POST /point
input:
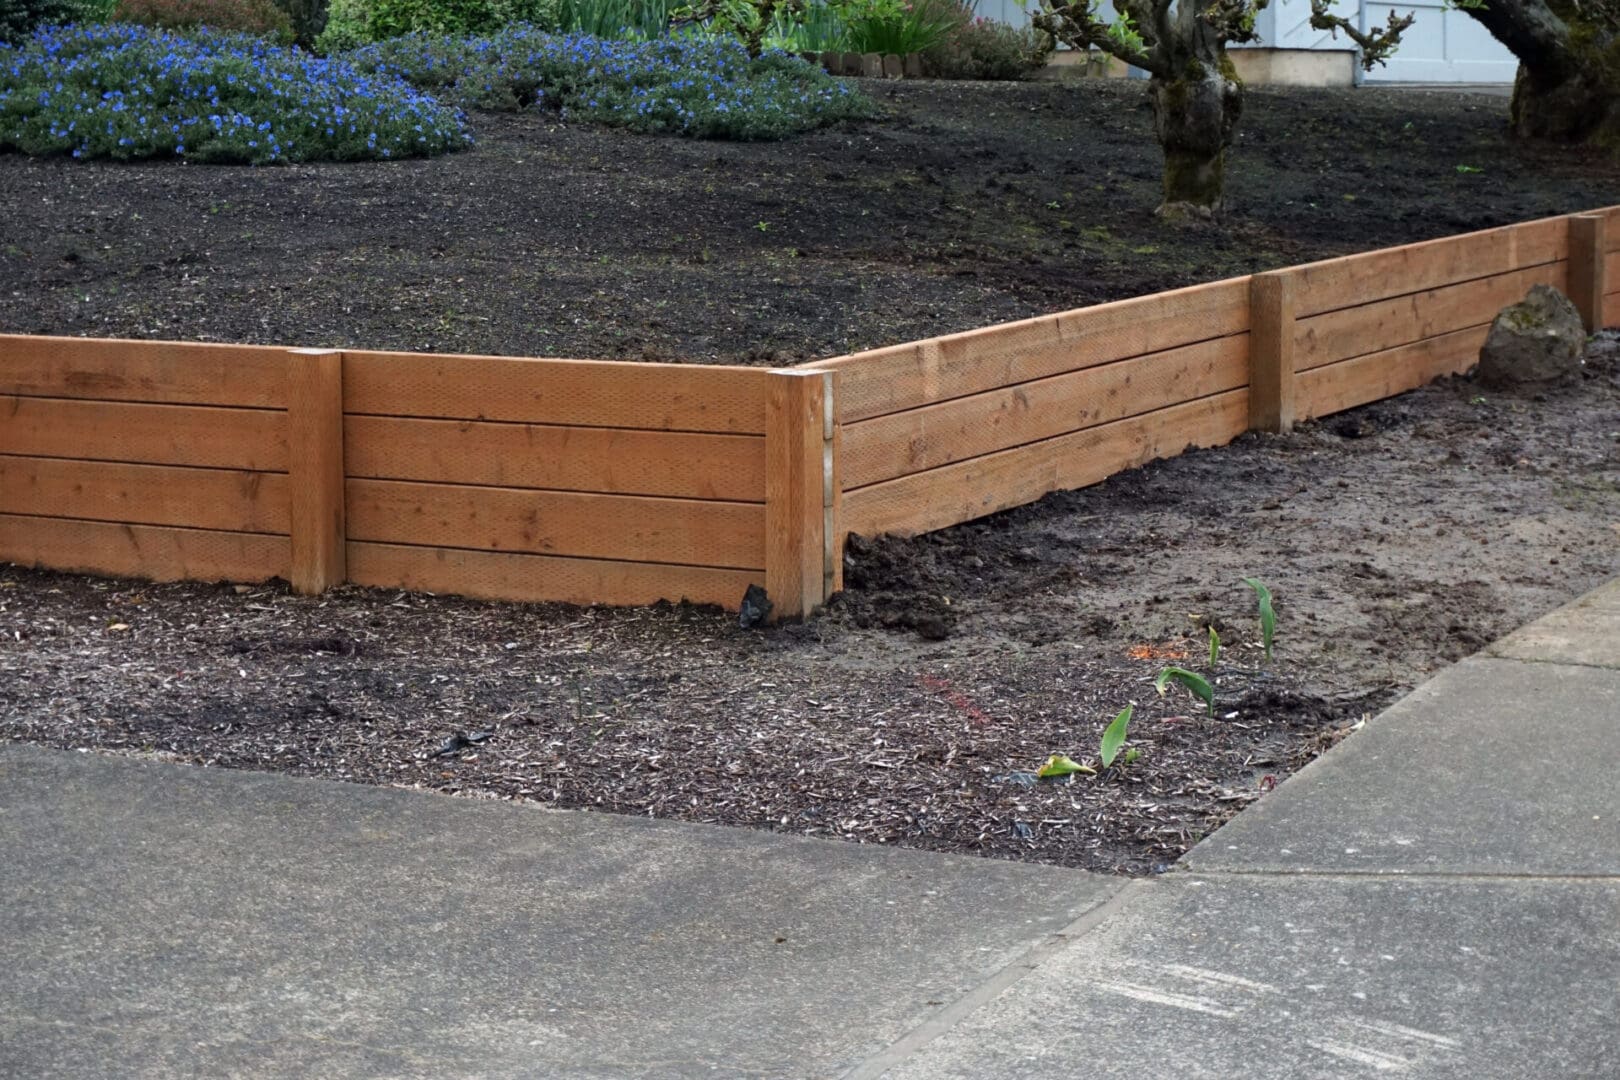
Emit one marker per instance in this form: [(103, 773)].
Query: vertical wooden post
[(315, 468), (1587, 284), (1271, 352), (832, 500), (797, 483)]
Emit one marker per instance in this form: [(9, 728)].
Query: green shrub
[(129, 92), (699, 86), (351, 24), (902, 27), (261, 18), (19, 18), (986, 49)]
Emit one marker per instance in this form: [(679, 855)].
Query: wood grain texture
[(971, 489), (902, 377), (1588, 268), (587, 393), (1387, 324), (617, 527), (1611, 265), (539, 578), (920, 439), (315, 468), (610, 460), (112, 369), (1380, 375), (1377, 275), (222, 499), (253, 439), (141, 551), (1611, 226), (1611, 310), (795, 492), (1272, 299)]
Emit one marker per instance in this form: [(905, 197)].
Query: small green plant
[(1469, 169), (1200, 687), (901, 27), (1268, 614), (1214, 648), (1114, 737)]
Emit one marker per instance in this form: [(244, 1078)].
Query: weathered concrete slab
[(169, 921), (1311, 978), (1492, 767), (1585, 632)]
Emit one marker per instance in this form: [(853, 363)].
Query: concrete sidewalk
[(1437, 897)]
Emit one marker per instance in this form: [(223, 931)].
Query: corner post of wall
[(800, 490), (1587, 284), (315, 469), (1271, 351)]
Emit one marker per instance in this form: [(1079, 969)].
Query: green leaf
[(1132, 755), (1214, 648), (1115, 735), (1062, 765), (1201, 687), (1268, 614)]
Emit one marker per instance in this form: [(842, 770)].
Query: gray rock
[(1534, 343)]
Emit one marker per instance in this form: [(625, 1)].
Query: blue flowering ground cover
[(701, 86), (129, 92)]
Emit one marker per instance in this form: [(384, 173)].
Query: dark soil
[(1397, 538), (968, 204)]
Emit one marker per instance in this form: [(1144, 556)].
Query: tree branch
[(1375, 45), (1075, 24)]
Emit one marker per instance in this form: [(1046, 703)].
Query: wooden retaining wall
[(600, 482), (950, 429)]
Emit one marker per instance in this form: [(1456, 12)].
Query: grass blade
[(1062, 765), (1114, 737), (1201, 687), (1268, 614), (1214, 648)]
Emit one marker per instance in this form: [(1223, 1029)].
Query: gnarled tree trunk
[(1568, 87), (1195, 114)]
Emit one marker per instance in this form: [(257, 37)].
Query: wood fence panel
[(923, 373), (536, 578), (587, 393), (1385, 324), (1362, 279), (624, 461), (617, 527), (971, 489), (141, 551), (927, 438), (222, 499), (161, 372), (254, 439), (1379, 375)]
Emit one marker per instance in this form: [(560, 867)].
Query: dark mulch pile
[(1397, 538), (968, 204)]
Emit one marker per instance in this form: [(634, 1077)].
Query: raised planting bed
[(597, 482)]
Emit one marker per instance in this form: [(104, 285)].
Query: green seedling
[(1214, 648), (1201, 687), (1469, 169), (1132, 755), (1114, 737), (1268, 614), (1063, 765)]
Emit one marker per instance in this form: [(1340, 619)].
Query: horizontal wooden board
[(1345, 385), (540, 578), (223, 499), (1376, 275), (901, 377), (1611, 227), (113, 369), (1386, 324), (613, 460), (151, 434), (141, 551), (920, 439), (588, 393), (971, 489), (619, 527)]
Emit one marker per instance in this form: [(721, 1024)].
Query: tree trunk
[(1568, 87), (1194, 116)]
